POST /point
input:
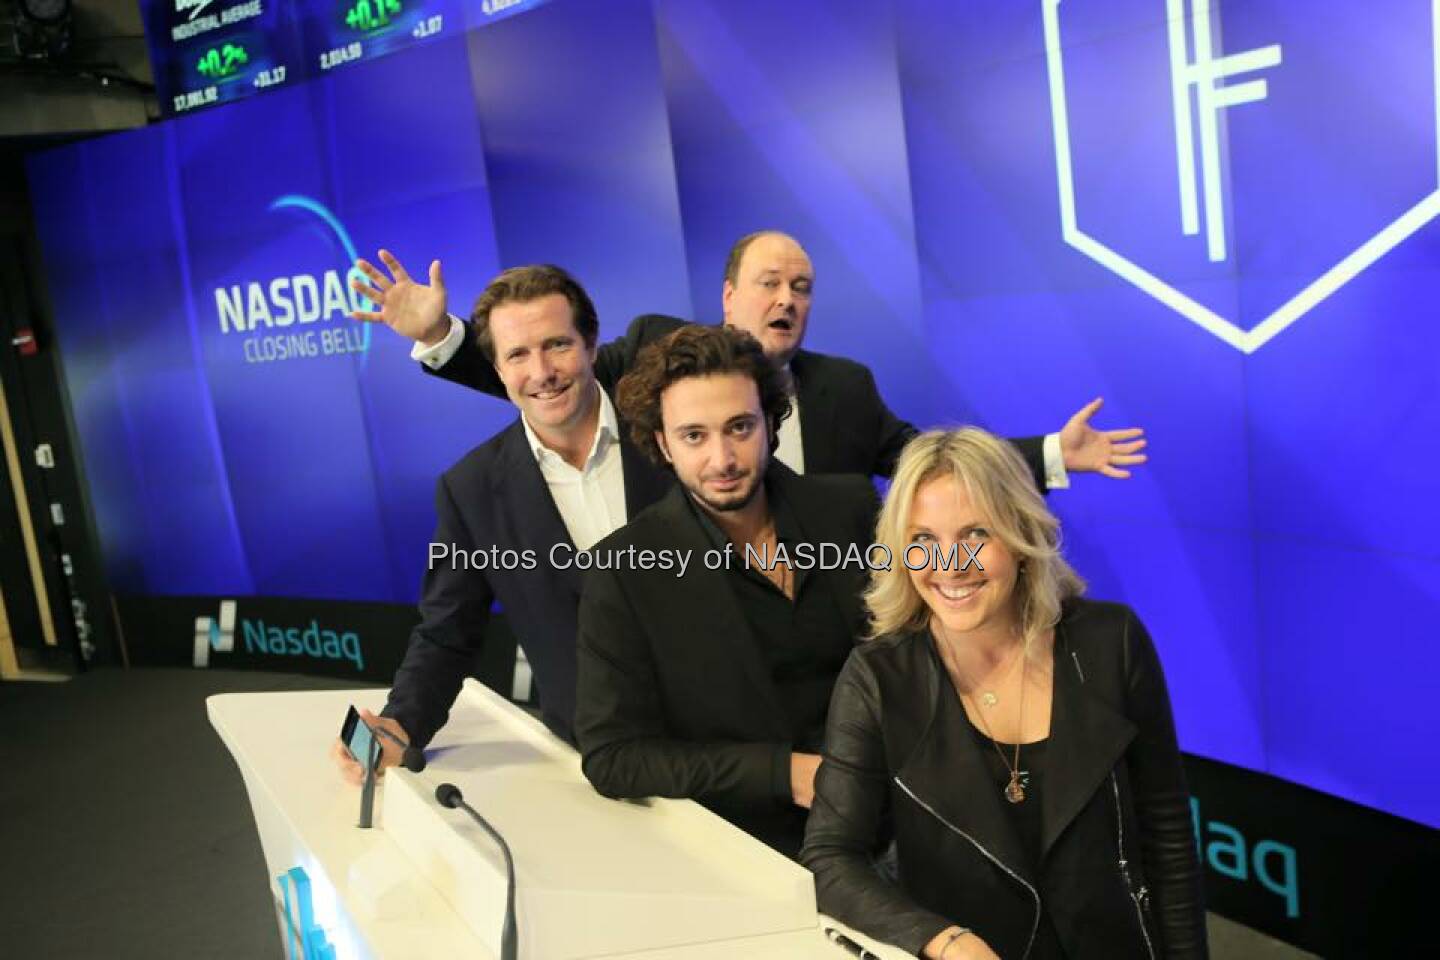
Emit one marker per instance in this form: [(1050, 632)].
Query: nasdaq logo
[(1272, 864), (215, 633), (1141, 88), (309, 640), (305, 938), (299, 315)]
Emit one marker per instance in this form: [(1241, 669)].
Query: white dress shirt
[(791, 450), (438, 355), (591, 500)]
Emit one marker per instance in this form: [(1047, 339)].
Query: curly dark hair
[(524, 284), (696, 351)]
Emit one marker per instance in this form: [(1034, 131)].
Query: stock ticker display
[(206, 52), (1218, 214)]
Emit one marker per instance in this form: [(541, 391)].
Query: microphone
[(448, 795), (414, 759)]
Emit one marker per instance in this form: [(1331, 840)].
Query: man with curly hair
[(714, 685)]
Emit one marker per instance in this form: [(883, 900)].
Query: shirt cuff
[(441, 353), (1056, 477), (780, 775)]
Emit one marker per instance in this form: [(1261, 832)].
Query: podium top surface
[(390, 898)]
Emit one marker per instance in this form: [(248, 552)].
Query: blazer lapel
[(645, 483), (530, 517), (948, 775), (1087, 739), (813, 393)]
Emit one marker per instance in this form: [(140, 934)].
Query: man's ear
[(664, 450), (727, 293)]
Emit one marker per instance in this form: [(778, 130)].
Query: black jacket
[(845, 425), (1119, 877), (497, 497), (676, 697)]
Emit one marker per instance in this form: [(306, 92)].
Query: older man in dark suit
[(840, 422), (560, 478)]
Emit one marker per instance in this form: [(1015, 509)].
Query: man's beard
[(731, 501)]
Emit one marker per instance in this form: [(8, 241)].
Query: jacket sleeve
[(454, 610), (852, 790), (1033, 450), (470, 367), (1162, 801), (614, 359), (892, 434), (627, 749)]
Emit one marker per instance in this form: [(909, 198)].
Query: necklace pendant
[(1013, 791), (989, 699)]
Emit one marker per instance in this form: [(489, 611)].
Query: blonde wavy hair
[(1002, 490)]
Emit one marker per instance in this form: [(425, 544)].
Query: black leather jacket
[(1118, 877)]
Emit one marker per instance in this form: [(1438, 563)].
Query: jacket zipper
[(1125, 870), (1120, 845), (1034, 927)]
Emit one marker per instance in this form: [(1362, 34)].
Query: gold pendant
[(1013, 791), (989, 699)]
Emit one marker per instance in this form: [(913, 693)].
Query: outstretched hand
[(1087, 450), (411, 309)]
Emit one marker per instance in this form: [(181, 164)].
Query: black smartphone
[(358, 738)]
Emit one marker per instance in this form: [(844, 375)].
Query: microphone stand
[(367, 788), (448, 795), (413, 760)]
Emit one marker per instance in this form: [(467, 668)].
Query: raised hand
[(1087, 450), (411, 309)]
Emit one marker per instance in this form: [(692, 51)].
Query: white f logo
[(1203, 73)]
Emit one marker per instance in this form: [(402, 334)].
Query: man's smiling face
[(545, 363)]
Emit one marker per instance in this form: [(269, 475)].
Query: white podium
[(595, 878)]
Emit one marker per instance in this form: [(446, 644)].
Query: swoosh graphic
[(309, 205)]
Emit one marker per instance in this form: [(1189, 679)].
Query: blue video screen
[(1219, 216)]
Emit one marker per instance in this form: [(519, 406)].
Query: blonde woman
[(1013, 740)]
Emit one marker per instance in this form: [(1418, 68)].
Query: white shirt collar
[(607, 430)]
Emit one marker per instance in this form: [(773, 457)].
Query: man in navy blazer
[(511, 515)]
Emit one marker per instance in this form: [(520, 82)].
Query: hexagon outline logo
[(1204, 72)]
